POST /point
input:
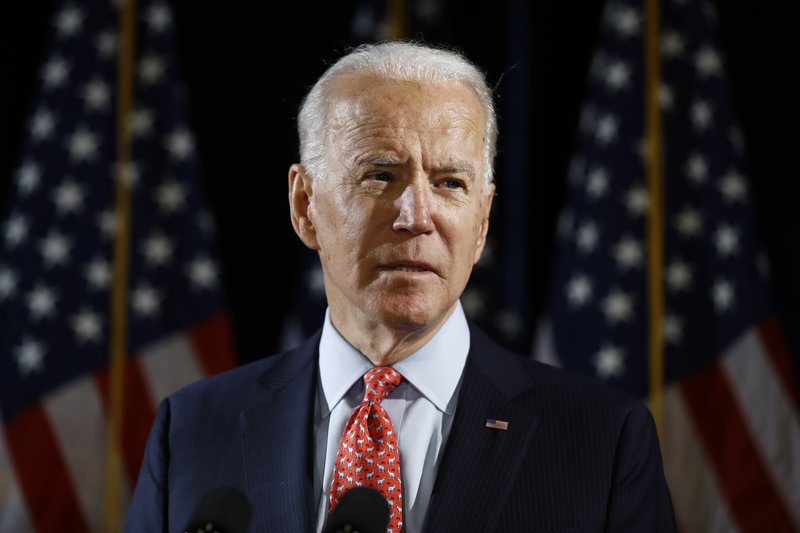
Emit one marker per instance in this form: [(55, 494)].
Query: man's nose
[(414, 209)]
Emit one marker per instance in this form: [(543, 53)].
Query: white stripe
[(13, 513), (695, 493), (770, 414), (76, 414), (168, 366)]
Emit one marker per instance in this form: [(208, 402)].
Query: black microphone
[(222, 510), (360, 509)]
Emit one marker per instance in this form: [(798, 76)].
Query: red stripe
[(755, 503), (138, 415), (772, 337), (42, 474), (213, 343)]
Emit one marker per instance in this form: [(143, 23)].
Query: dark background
[(247, 66)]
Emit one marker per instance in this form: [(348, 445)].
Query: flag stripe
[(41, 471), (694, 489), (138, 415), (769, 415), (13, 514), (82, 439), (168, 366), (213, 342), (743, 476), (773, 339)]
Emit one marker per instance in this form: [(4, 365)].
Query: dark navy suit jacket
[(577, 456)]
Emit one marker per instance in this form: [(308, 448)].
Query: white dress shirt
[(421, 409)]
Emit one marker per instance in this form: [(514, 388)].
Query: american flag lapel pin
[(493, 423)]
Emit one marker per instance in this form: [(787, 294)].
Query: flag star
[(723, 295), (579, 290), (41, 302), (696, 169), (636, 201), (610, 362), (106, 44), (315, 281), (87, 326), (626, 21), (666, 98), (158, 18), (56, 72), (128, 173), (202, 272), (28, 178), (68, 197), (618, 76), (8, 283), (606, 129), (146, 301), (509, 323), (708, 62), (618, 307), (30, 357), (733, 187), (170, 196), (587, 236), (179, 144), (82, 145), (151, 70), (55, 249), (69, 21), (689, 223), (474, 302), (16, 230), (628, 253), (158, 250), (97, 95), (727, 240), (701, 115), (98, 273), (107, 221), (673, 329), (597, 183), (679, 275), (141, 123), (672, 44), (42, 125)]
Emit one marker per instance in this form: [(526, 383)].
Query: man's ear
[(301, 189), (484, 227)]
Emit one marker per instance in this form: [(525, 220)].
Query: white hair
[(402, 61)]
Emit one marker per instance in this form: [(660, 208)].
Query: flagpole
[(655, 222), (119, 318), (397, 20)]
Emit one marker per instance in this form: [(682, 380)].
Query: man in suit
[(394, 191)]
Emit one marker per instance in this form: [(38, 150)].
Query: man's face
[(401, 215)]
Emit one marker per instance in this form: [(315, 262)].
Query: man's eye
[(452, 184), (381, 176)]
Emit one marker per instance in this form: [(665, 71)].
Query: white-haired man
[(398, 391)]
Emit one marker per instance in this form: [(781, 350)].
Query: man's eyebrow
[(458, 167), (377, 160)]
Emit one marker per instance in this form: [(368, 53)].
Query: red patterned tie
[(368, 453)]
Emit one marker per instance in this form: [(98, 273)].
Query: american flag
[(56, 270), (731, 431)]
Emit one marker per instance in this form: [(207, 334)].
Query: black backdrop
[(247, 65)]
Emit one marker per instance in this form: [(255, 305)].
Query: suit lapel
[(277, 435), (479, 464)]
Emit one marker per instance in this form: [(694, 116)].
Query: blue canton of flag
[(56, 269), (730, 429)]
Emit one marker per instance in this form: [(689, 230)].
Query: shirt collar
[(434, 370)]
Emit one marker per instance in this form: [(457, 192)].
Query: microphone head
[(361, 509), (222, 510)]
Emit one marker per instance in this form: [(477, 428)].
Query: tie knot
[(380, 382)]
